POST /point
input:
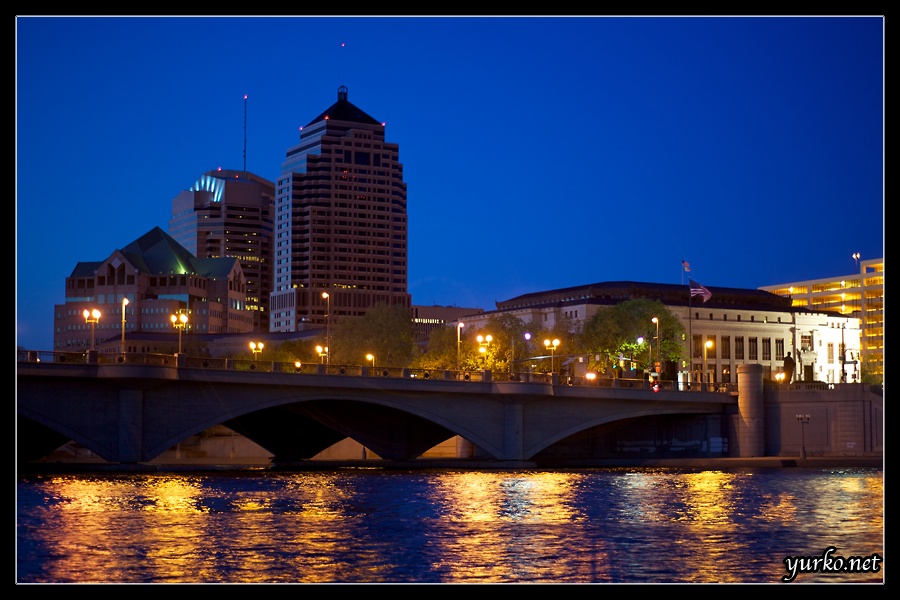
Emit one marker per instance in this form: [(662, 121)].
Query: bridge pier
[(750, 436), (131, 425), (513, 426)]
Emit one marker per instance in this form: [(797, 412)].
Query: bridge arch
[(125, 413)]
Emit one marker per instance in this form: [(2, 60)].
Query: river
[(364, 525)]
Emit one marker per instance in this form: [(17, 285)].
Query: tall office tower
[(340, 222), (230, 214)]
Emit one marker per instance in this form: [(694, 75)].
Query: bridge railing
[(314, 368), (94, 357)]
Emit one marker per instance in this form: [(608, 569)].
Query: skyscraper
[(340, 222), (230, 214)]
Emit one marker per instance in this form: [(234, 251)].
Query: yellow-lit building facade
[(859, 295)]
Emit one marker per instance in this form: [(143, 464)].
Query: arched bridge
[(132, 409)]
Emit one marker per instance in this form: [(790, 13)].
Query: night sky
[(539, 152)]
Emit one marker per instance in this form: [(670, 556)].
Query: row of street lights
[(180, 321), (485, 340), (550, 345), (92, 316)]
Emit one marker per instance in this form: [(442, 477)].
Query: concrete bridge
[(131, 409)]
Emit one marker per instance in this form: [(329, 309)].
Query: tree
[(440, 353), (509, 345), (387, 332), (612, 333), (293, 351)]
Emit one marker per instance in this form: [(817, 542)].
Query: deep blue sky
[(540, 152)]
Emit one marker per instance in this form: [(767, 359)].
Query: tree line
[(607, 342)]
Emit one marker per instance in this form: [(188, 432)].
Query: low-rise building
[(744, 326), (140, 287)]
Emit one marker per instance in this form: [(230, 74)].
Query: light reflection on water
[(370, 526)]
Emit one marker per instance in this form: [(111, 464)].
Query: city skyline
[(751, 148)]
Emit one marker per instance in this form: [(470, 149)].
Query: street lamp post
[(640, 342), (706, 348), (124, 304), (327, 325), (179, 323), (512, 350), (803, 420), (322, 353), (92, 317), (256, 348), (372, 358), (459, 327), (855, 257), (528, 346), (658, 342), (552, 347), (483, 342)]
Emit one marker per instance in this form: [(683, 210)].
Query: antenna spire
[(245, 132)]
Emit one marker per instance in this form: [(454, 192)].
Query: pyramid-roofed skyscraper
[(340, 222)]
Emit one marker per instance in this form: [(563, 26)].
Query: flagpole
[(690, 333), (686, 267)]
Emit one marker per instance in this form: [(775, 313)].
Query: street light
[(706, 348), (855, 257), (483, 342), (256, 348), (459, 327), (327, 325), (640, 342), (179, 323), (512, 351), (658, 343), (372, 358), (322, 352), (552, 347), (92, 317), (803, 420), (124, 304)]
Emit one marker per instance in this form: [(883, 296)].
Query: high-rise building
[(855, 296), (340, 222), (229, 214)]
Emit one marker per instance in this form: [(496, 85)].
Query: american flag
[(685, 265), (699, 290)]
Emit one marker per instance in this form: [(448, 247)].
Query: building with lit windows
[(857, 296), (429, 318), (139, 288), (743, 326), (340, 222), (230, 214)]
